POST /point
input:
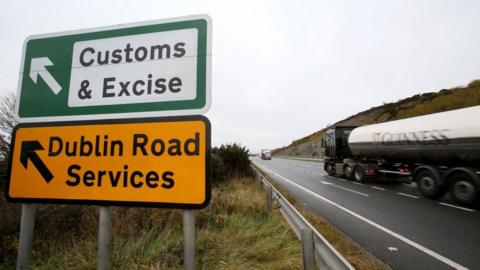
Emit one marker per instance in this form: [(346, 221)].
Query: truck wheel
[(429, 185), (463, 189), (330, 170), (348, 172), (358, 174)]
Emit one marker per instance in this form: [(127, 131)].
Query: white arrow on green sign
[(156, 68)]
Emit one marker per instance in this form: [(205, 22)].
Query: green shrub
[(218, 169), (230, 161)]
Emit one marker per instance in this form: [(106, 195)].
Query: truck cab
[(336, 148), (339, 159)]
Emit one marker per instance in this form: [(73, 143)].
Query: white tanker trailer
[(439, 151)]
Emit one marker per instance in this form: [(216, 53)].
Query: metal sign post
[(26, 236), (104, 237), (189, 239)]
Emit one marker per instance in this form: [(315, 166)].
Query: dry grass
[(233, 232), (449, 100)]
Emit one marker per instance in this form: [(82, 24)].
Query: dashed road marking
[(408, 195), (379, 188), (357, 183), (458, 207)]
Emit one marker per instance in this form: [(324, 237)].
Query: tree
[(7, 123)]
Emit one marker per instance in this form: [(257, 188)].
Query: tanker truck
[(440, 151)]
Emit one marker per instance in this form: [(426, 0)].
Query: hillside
[(421, 104)]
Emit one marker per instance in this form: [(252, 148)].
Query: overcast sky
[(285, 69)]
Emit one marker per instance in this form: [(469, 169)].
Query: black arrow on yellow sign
[(28, 151)]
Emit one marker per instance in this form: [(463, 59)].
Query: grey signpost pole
[(189, 239), (26, 236), (104, 237)]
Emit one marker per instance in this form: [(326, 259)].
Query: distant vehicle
[(439, 151), (266, 154)]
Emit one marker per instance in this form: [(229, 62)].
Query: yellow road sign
[(155, 162)]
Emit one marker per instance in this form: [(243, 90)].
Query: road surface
[(391, 220)]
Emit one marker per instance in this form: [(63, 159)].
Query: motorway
[(391, 220)]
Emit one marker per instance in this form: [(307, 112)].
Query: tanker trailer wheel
[(463, 188), (358, 174), (429, 185), (348, 172)]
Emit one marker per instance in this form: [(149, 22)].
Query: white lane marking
[(340, 187), (408, 195), (380, 227), (343, 180), (357, 183), (392, 248), (379, 188), (458, 207)]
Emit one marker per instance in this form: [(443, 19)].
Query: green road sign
[(155, 68)]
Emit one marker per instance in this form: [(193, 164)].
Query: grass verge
[(233, 232)]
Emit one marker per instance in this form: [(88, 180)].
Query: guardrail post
[(26, 236), (189, 239), (260, 182), (269, 198), (308, 249), (104, 237)]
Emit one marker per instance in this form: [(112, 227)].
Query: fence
[(316, 250)]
